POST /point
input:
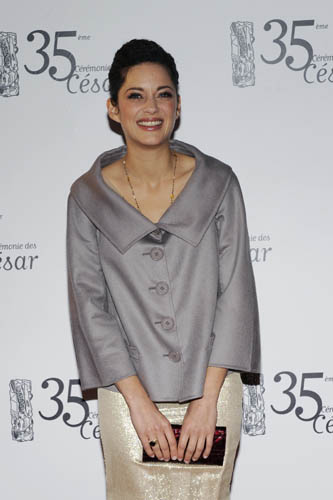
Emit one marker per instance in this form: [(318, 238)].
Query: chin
[(152, 141)]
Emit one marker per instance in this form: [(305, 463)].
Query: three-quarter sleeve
[(100, 348), (236, 323)]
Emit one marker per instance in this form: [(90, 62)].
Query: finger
[(154, 450), (172, 443), (209, 444), (183, 439), (157, 450), (164, 446), (191, 446), (148, 449), (199, 448)]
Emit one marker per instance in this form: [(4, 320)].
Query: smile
[(150, 123)]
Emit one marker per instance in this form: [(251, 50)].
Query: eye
[(166, 94), (134, 95)]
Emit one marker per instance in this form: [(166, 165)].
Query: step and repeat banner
[(256, 80)]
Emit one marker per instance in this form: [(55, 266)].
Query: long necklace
[(172, 196)]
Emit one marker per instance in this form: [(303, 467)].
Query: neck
[(150, 164)]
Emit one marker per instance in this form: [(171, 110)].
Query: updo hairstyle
[(137, 52)]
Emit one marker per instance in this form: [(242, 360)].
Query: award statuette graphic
[(9, 78), (242, 53), (254, 409), (21, 410)]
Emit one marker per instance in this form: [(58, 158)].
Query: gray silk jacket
[(161, 300)]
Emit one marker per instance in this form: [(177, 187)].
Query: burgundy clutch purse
[(215, 457)]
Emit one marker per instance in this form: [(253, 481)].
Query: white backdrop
[(275, 132)]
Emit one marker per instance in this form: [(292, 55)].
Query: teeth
[(151, 123)]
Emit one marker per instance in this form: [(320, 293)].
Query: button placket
[(167, 323)]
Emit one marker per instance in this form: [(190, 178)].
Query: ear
[(113, 110), (178, 109)]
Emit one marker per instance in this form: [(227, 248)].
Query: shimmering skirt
[(128, 478)]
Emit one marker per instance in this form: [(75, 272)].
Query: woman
[(162, 296)]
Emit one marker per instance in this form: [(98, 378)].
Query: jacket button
[(156, 253), (157, 234), (167, 323), (162, 288), (174, 356)]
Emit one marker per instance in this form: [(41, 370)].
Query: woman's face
[(147, 105)]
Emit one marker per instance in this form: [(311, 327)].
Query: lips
[(150, 124)]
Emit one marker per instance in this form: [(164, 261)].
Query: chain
[(172, 196)]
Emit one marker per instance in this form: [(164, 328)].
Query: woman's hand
[(199, 423), (197, 432), (149, 424), (147, 420)]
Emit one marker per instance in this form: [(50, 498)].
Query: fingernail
[(179, 459), (174, 458), (205, 456), (186, 461)]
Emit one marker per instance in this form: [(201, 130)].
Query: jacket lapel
[(188, 217)]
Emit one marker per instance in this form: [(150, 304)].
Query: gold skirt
[(128, 478)]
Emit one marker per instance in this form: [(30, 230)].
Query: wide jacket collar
[(188, 217)]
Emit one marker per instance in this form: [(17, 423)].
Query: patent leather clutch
[(216, 455)]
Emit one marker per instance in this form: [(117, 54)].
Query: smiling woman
[(147, 107), (162, 294), (147, 102)]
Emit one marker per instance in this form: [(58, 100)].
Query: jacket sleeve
[(100, 349), (236, 323)]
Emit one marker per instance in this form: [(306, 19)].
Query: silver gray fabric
[(163, 300)]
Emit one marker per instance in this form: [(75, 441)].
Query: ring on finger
[(153, 442)]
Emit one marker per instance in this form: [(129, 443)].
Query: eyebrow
[(158, 88)]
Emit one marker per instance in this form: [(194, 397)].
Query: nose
[(151, 105)]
